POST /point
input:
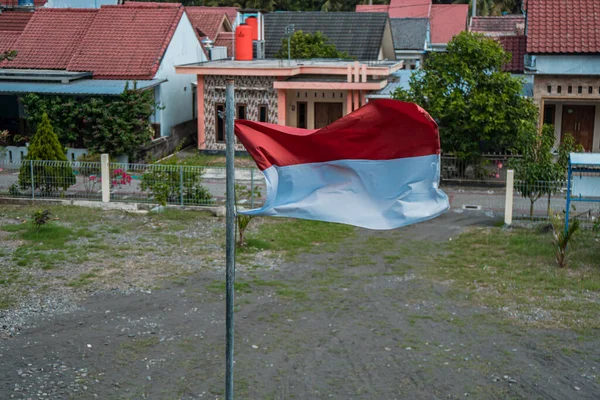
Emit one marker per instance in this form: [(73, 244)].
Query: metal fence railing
[(487, 169), (152, 183), (536, 201)]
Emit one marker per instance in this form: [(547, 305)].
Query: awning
[(80, 87)]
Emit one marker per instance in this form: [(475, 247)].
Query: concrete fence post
[(105, 171), (508, 203)]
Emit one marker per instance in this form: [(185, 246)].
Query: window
[(263, 113), (549, 89), (570, 89), (549, 112), (220, 122), (580, 90), (590, 90), (241, 111), (559, 89)]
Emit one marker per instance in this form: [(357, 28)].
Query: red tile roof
[(51, 37), (230, 11), (7, 39), (496, 26), (128, 41), (206, 22), (563, 26), (447, 20), (516, 46), (14, 20)]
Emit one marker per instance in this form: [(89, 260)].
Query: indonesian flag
[(377, 168)]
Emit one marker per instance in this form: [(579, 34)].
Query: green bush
[(164, 184), (48, 175)]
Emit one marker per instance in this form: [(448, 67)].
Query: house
[(563, 56), (509, 30), (97, 52), (411, 40), (420, 20), (231, 12), (299, 93), (363, 36), (212, 23)]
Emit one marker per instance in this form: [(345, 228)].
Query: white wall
[(18, 154), (176, 94)]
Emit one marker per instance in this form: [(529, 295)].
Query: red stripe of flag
[(381, 130)]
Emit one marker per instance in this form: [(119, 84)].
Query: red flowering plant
[(119, 179)]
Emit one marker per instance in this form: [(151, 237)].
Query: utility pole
[(230, 234), (474, 9)]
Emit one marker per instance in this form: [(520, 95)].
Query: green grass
[(295, 236), (516, 269), (82, 280)]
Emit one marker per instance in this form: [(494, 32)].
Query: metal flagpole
[(230, 235)]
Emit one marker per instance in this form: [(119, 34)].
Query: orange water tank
[(253, 22), (243, 43)]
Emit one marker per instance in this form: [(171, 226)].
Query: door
[(326, 113), (579, 122), (302, 115)]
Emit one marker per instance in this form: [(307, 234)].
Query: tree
[(536, 171), (309, 45), (48, 174), (479, 107), (103, 124)]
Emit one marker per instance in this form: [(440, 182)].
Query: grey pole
[(474, 9), (230, 235)]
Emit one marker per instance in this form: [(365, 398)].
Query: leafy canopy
[(309, 45), (103, 124), (538, 168), (479, 107)]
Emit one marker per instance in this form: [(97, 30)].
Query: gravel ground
[(357, 322)]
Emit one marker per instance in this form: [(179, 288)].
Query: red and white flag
[(377, 168)]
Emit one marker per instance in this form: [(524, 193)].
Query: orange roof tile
[(514, 45), (7, 40), (561, 26), (496, 26), (231, 12), (206, 22), (14, 20), (51, 37), (128, 41)]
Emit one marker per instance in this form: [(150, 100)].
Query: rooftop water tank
[(243, 43)]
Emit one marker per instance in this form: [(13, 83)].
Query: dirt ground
[(360, 321)]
